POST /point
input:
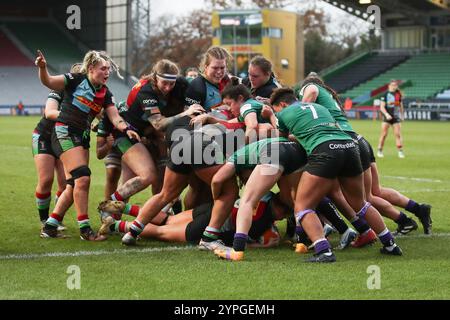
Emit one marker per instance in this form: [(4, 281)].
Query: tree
[(182, 40)]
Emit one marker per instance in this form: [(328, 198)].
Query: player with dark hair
[(261, 79), (331, 154), (314, 89)]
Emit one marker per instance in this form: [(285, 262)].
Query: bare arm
[(310, 94), (52, 82), (120, 124), (251, 127), (51, 111), (402, 111), (384, 111), (160, 122), (104, 145)]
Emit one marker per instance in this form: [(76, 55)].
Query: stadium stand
[(19, 41), (444, 95), (11, 55), (58, 49), (428, 73), (365, 69)]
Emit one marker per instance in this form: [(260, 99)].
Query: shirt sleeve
[(281, 125), (56, 95), (110, 101), (72, 80), (195, 93), (245, 110)]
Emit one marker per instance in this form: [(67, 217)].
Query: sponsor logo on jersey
[(192, 101), (90, 104), (150, 101)]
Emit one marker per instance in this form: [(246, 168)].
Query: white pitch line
[(424, 190), (426, 236), (90, 253), (413, 179), (153, 250)]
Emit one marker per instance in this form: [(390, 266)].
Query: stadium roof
[(409, 8)]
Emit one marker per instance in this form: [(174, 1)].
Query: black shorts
[(194, 152), (395, 119), (335, 158), (41, 145), (365, 150), (288, 156), (201, 216), (65, 137)]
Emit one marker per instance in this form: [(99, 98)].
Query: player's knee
[(70, 183), (46, 183), (81, 176)]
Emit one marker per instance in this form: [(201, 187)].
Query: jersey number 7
[(313, 111)]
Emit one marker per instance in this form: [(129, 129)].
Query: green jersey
[(252, 106), (325, 98), (311, 123), (249, 157)]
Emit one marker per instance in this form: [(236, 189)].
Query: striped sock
[(387, 239), (360, 225), (116, 196), (43, 204), (136, 228), (120, 226), (83, 222), (210, 234), (131, 210), (321, 246), (54, 220)]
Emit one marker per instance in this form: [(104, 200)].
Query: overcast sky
[(183, 7)]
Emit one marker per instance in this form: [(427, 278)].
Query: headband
[(167, 76)]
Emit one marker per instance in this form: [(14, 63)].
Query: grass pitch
[(33, 268)]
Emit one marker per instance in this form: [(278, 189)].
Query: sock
[(239, 242), (131, 210), (322, 246), (116, 196), (136, 228), (402, 219), (329, 211), (167, 207), (413, 207), (58, 194), (290, 226), (120, 226), (83, 222), (43, 205), (210, 234), (302, 237), (360, 225), (53, 221), (387, 239), (177, 207)]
